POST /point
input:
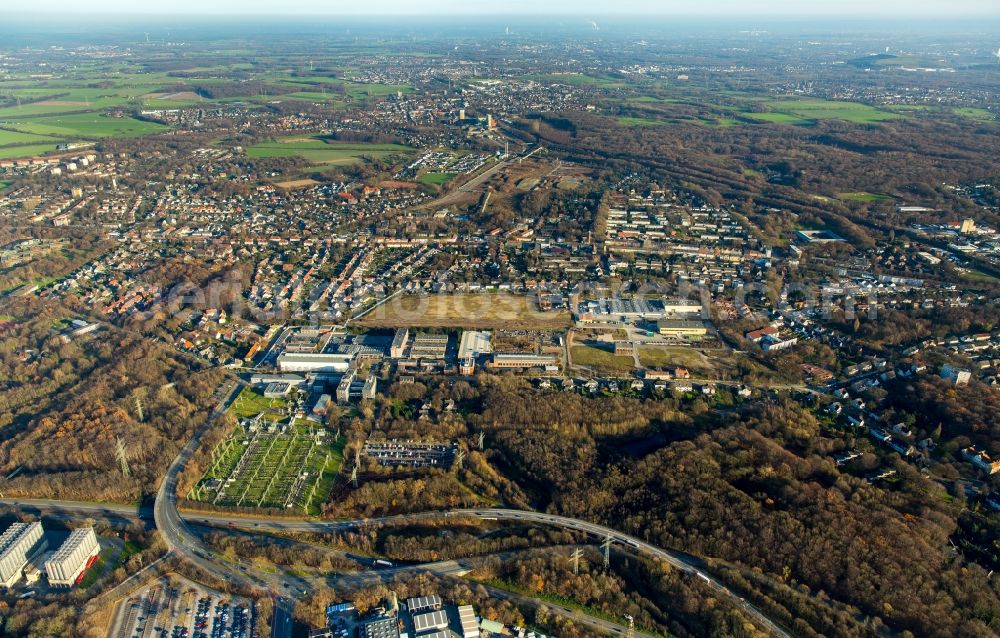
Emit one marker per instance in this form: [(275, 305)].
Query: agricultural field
[(31, 150), (474, 311), (12, 138), (86, 126), (322, 152), (280, 467), (601, 360)]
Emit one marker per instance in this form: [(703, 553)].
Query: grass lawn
[(659, 357), (250, 404), (862, 196), (483, 311), (830, 110), (437, 179), (12, 152), (4, 185), (600, 359), (86, 125), (8, 138), (639, 121), (779, 118), (981, 115), (319, 151)]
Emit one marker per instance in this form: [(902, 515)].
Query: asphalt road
[(182, 541), (678, 560)]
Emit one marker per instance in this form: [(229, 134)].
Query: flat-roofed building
[(624, 348), (515, 361), (324, 362), (385, 627), (468, 622), (429, 346), (423, 603), (681, 328), (72, 557), (398, 348), (18, 545), (431, 621), (473, 344)]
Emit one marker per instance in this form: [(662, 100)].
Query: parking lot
[(177, 608)]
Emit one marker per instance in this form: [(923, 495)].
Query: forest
[(753, 490), (64, 405)]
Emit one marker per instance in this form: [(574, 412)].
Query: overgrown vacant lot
[(463, 311)]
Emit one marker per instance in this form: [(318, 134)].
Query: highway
[(677, 560), (181, 541), (178, 534)]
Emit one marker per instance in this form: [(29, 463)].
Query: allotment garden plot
[(272, 465)]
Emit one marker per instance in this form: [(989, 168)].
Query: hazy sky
[(844, 8)]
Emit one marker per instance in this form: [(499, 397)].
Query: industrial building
[(420, 604), (72, 558), (18, 545), (303, 362), (522, 361), (430, 621), (429, 346), (681, 328), (384, 627), (467, 619), (398, 348), (473, 344)]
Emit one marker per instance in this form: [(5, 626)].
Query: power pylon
[(482, 440), (575, 557), (354, 476), (460, 458), (606, 546), (122, 455), (139, 410)]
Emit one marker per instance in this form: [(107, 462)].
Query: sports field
[(479, 311), (319, 151)]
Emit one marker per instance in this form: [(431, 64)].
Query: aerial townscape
[(430, 322)]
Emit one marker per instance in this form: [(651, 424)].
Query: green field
[(659, 357), (863, 197), (3, 185), (86, 125), (981, 115), (639, 121), (319, 151), (808, 112), (12, 152), (250, 404), (12, 138), (436, 179), (600, 359)]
